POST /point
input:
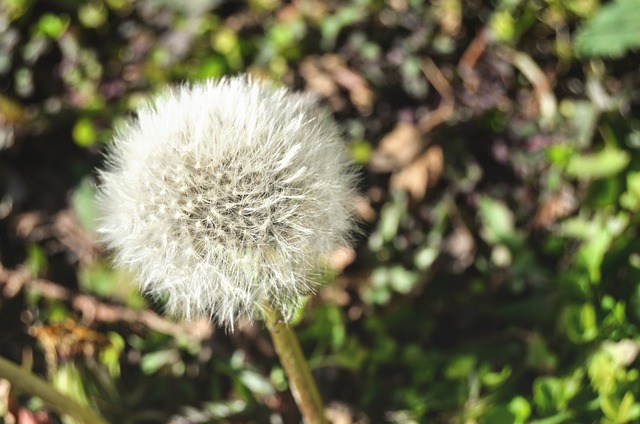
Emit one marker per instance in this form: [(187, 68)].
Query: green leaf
[(538, 354), (545, 392), (581, 323), (256, 383), (497, 220), (84, 134), (53, 26), (612, 31), (154, 361), (83, 202), (401, 279), (496, 379), (92, 15), (605, 163), (520, 408), (631, 198), (36, 261), (460, 367), (361, 152), (110, 355)]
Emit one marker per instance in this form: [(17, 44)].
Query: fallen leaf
[(325, 75), (364, 210), (416, 177), (556, 207), (341, 258), (397, 148), (360, 93)]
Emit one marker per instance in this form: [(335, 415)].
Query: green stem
[(303, 386), (22, 379)]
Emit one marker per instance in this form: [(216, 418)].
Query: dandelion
[(226, 195)]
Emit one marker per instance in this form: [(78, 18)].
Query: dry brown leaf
[(364, 210), (417, 176), (325, 75), (555, 208), (341, 258), (397, 148), (320, 82), (360, 94), (435, 164)]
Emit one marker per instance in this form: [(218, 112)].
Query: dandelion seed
[(227, 194)]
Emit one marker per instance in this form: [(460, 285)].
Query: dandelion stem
[(22, 379), (303, 386)]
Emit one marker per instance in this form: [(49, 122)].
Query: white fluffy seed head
[(227, 194)]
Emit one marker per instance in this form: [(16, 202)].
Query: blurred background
[(496, 277)]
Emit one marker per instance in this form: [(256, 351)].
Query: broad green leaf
[(497, 220), (520, 408), (496, 379), (612, 32), (154, 361), (257, 383), (402, 280), (546, 391), (580, 323), (53, 26), (631, 198), (605, 163), (460, 367)]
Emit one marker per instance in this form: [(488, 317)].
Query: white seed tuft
[(227, 194)]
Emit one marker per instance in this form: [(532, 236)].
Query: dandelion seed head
[(226, 194)]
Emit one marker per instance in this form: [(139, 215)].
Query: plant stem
[(303, 386), (22, 379)]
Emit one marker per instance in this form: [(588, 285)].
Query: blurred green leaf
[(100, 278), (84, 205), (605, 163), (92, 14), (36, 261), (361, 152), (52, 25), (257, 383), (612, 32), (460, 367), (495, 379), (497, 219), (552, 394), (580, 323), (402, 280), (152, 362), (538, 354), (68, 380), (631, 198), (84, 133), (110, 355), (520, 408)]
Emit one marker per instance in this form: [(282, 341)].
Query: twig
[(92, 309), (442, 86), (547, 102)]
